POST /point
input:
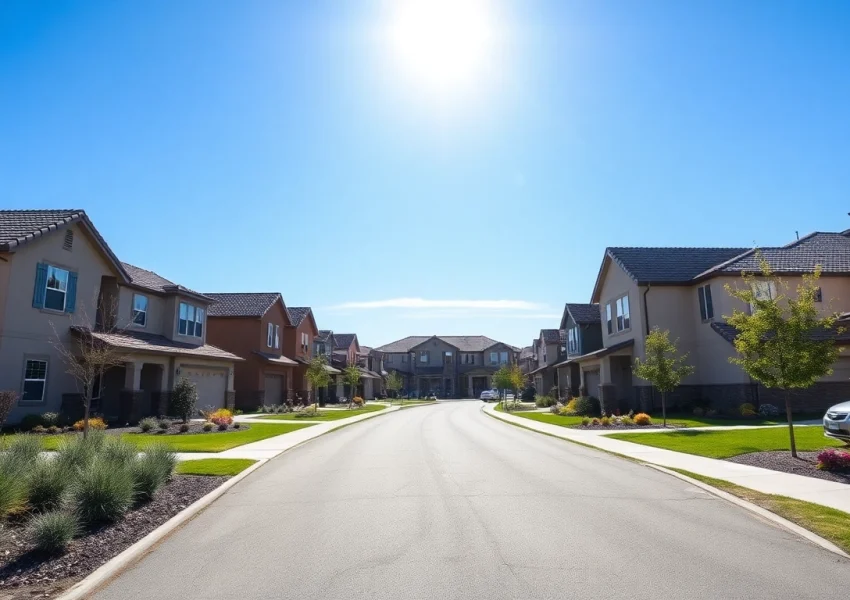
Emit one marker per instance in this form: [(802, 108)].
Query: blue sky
[(286, 146)]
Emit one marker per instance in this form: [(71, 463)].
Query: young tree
[(662, 367), (776, 344), (317, 374), (394, 382), (351, 376), (517, 379), (502, 380)]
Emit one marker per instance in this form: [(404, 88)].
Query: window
[(494, 358), (35, 379), (57, 288), (608, 318), (818, 295), (545, 358), (191, 320), (469, 359), (763, 290), (423, 356), (572, 339), (389, 358), (503, 358), (273, 336), (448, 358), (305, 341), (706, 309), (623, 320), (140, 310), (404, 358)]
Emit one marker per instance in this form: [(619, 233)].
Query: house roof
[(464, 343), (365, 350), (297, 314), (242, 304), (599, 353), (343, 340), (670, 265), (138, 341), (273, 358), (148, 280), (729, 333), (550, 336), (19, 227), (527, 352), (324, 334), (829, 250), (582, 314)]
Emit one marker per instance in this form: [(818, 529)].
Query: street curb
[(762, 512), (104, 573)]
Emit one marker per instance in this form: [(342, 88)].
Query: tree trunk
[(664, 408), (790, 423), (86, 409)]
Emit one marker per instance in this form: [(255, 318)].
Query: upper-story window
[(273, 336), (404, 358), (763, 290), (623, 315), (545, 357), (448, 357), (503, 358), (424, 356), (389, 358), (305, 341), (56, 291), (140, 310), (191, 320), (572, 339), (469, 359), (494, 358), (706, 308), (608, 318)]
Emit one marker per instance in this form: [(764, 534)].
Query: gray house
[(583, 326)]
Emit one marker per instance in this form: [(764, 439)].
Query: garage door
[(591, 381), (211, 384), (274, 389)]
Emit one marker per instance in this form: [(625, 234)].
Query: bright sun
[(442, 45)]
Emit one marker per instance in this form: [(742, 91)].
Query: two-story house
[(252, 326), (527, 359), (299, 339), (62, 286), (346, 348), (549, 353), (371, 366), (582, 327), (448, 366)]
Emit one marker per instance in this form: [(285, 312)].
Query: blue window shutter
[(71, 293), (40, 289)]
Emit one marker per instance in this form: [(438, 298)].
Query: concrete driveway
[(445, 502)]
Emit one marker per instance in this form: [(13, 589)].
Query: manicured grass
[(549, 418), (214, 442), (214, 466), (723, 444), (672, 420), (829, 523), (326, 415), (409, 402)]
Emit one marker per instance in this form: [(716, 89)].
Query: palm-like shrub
[(152, 470), (103, 491), (47, 484), (53, 531)]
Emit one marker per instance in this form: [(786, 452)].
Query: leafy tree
[(776, 343), (502, 380), (394, 382), (317, 374), (517, 380), (351, 376), (662, 367), (183, 399)]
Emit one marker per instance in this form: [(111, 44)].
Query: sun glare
[(443, 46)]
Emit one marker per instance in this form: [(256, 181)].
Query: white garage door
[(274, 389), (591, 381), (211, 384)]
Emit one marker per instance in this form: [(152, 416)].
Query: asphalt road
[(445, 502)]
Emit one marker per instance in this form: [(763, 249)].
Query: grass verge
[(672, 420), (326, 415), (214, 466), (829, 523), (724, 444)]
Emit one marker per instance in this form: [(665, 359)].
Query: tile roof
[(584, 314), (527, 352), (365, 350), (324, 334), (151, 281), (242, 304), (343, 340), (670, 265), (550, 336), (829, 250), (464, 343), (137, 341), (297, 314), (17, 227), (729, 333), (273, 358), (404, 344)]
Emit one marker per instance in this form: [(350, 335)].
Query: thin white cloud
[(471, 314), (421, 303)]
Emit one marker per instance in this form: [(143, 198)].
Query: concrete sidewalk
[(271, 447), (810, 489)]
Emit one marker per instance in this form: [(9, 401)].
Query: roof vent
[(69, 240)]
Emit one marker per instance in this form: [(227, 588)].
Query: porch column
[(471, 388), (607, 389), (133, 375), (131, 397), (340, 390)]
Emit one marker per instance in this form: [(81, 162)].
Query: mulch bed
[(194, 428), (27, 574), (621, 426), (805, 464)]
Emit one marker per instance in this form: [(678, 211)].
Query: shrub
[(236, 425), (222, 426), (118, 452), (103, 491), (38, 429), (20, 453), (833, 459), (529, 394), (642, 419), (152, 469), (163, 424), (768, 410), (78, 452), (184, 397), (627, 420), (96, 423), (53, 531), (49, 419), (29, 422), (261, 409), (586, 406), (605, 421), (208, 426), (571, 406), (46, 484), (748, 413), (308, 411), (698, 411), (7, 403), (585, 422), (711, 412), (13, 492), (237, 412), (184, 427), (222, 416), (595, 421), (747, 409), (54, 429), (556, 409), (545, 401), (147, 424)]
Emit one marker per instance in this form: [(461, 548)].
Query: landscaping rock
[(805, 464)]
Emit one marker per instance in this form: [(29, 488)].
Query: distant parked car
[(488, 395), (836, 422), (509, 396)]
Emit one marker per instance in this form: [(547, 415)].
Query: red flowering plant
[(833, 459)]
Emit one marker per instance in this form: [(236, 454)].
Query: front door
[(448, 390)]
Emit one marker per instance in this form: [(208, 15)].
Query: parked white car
[(488, 395), (836, 422)]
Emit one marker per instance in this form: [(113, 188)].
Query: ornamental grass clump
[(103, 491), (152, 470), (118, 452), (642, 419), (76, 452), (96, 423), (47, 484), (51, 532), (147, 424)]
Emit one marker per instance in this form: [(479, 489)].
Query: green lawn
[(829, 523), (723, 444), (672, 420), (214, 466), (326, 415), (409, 402)]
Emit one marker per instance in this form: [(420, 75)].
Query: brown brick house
[(298, 340), (253, 326)]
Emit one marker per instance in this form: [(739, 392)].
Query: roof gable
[(243, 304), (343, 341), (297, 315), (581, 314)]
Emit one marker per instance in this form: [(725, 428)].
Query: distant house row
[(682, 290), (60, 282)]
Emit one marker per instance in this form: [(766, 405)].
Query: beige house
[(60, 281), (549, 353), (682, 290)]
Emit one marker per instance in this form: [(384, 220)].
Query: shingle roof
[(343, 340), (585, 314), (829, 250), (242, 304), (404, 344), (324, 334), (17, 227), (297, 314), (670, 265), (138, 341), (365, 350), (464, 343), (156, 283), (729, 333), (550, 336), (526, 352)]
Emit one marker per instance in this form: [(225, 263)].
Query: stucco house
[(549, 353), (299, 339), (60, 283), (582, 325), (446, 365)]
